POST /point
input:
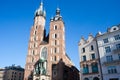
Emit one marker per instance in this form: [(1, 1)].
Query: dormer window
[(114, 28)]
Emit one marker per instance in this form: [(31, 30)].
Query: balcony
[(92, 73), (89, 61), (114, 62), (116, 51)]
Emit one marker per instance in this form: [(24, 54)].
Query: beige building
[(89, 59), (12, 73), (47, 58), (2, 73)]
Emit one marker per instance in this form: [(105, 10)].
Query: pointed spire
[(41, 6), (44, 13), (58, 12), (40, 11)]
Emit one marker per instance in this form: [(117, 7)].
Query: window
[(33, 52), (118, 46), (114, 28), (92, 48), (54, 73), (94, 67), (34, 45), (107, 49), (85, 69), (93, 56), (32, 59), (55, 50), (112, 69), (119, 56), (83, 50), (117, 37), (105, 40), (109, 58), (34, 38), (55, 42), (84, 58), (35, 32), (36, 27), (54, 70), (44, 53), (55, 58), (55, 27), (55, 35)]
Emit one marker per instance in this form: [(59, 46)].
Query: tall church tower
[(47, 58), (36, 37)]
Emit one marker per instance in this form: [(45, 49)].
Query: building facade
[(109, 50), (47, 58), (2, 73), (89, 59), (106, 47), (12, 73)]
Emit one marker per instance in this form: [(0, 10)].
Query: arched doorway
[(95, 78), (86, 79)]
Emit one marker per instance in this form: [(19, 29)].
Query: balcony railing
[(114, 62), (116, 51), (90, 73)]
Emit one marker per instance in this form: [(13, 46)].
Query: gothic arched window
[(44, 53)]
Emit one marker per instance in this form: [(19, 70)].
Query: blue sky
[(81, 17)]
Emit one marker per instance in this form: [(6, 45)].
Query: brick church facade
[(47, 58)]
